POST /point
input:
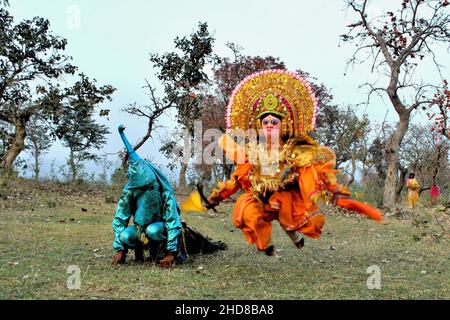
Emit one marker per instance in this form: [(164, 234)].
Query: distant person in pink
[(434, 194)]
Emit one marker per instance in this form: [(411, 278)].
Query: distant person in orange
[(283, 172), (435, 193), (413, 190)]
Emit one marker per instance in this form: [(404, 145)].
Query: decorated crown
[(278, 92)]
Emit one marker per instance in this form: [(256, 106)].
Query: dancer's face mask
[(271, 127)]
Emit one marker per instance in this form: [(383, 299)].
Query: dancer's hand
[(119, 258), (121, 128), (168, 261), (211, 205), (213, 201), (338, 195)]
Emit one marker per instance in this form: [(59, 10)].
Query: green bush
[(119, 177), (51, 204)]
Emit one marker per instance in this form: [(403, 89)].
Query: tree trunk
[(182, 178), (352, 174), (36, 163), (392, 158), (73, 167), (18, 144), (438, 160), (400, 184), (189, 153)]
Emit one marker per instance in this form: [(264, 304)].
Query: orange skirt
[(255, 220), (294, 216)]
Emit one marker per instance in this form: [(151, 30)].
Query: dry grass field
[(45, 230)]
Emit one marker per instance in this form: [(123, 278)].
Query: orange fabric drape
[(294, 216), (250, 216), (312, 181), (360, 207), (255, 221)]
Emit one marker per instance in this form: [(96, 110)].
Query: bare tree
[(152, 112), (426, 153), (38, 141), (394, 45), (181, 73), (439, 111), (343, 131)]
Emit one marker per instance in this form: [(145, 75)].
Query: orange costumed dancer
[(283, 172)]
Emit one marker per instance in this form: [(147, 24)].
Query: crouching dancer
[(149, 199)]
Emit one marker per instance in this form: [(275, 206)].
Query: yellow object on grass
[(193, 203)]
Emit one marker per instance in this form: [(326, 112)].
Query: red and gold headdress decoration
[(280, 92)]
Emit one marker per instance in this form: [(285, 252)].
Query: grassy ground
[(42, 233)]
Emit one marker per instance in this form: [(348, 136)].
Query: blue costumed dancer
[(149, 198)]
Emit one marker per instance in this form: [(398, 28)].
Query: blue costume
[(149, 198)]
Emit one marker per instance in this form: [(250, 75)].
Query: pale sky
[(112, 39)]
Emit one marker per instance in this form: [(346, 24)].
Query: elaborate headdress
[(280, 92)]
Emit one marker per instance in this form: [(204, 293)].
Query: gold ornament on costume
[(291, 157), (277, 92)]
